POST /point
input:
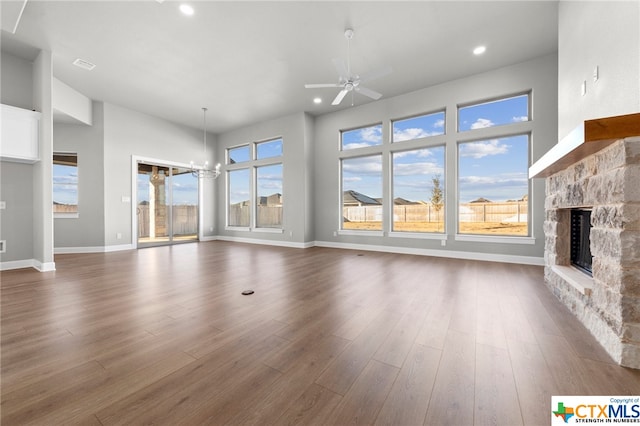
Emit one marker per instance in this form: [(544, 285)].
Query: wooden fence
[(468, 212), (185, 220), (268, 216)]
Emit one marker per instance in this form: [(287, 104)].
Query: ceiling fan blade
[(341, 68), (368, 92), (340, 96), (372, 75), (321, 85)]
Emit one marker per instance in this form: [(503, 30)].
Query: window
[(362, 193), (269, 149), (239, 198), (269, 196), (361, 137), (494, 113), (418, 190), (493, 186), (418, 127), (255, 172), (238, 154), (65, 185)]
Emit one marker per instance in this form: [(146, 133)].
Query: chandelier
[(204, 171)]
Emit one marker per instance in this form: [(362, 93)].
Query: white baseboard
[(488, 257), (94, 249), (266, 242), (211, 238), (28, 263)]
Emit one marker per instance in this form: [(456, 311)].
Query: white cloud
[(439, 124), (355, 145), (412, 169), (371, 134), (363, 166), (413, 133), (520, 119), (352, 179), (483, 149), (421, 153), (482, 123)]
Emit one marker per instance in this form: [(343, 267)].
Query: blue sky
[(495, 169), (185, 189), (65, 184)]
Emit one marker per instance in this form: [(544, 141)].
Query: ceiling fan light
[(317, 100), (186, 9), (479, 50)]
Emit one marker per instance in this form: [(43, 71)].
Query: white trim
[(28, 263), (419, 235), (237, 228), (209, 238), (577, 279), (495, 239), (61, 215), (266, 242), (269, 230), (94, 249), (362, 233), (17, 264), (44, 267), (489, 257)]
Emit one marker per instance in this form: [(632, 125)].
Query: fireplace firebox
[(581, 256)]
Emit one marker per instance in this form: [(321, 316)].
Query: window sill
[(66, 215), (269, 230), (578, 280), (419, 235), (237, 228), (361, 233), (495, 239)]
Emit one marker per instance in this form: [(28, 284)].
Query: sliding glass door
[(167, 205)]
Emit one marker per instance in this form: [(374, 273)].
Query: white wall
[(538, 75), (605, 34)]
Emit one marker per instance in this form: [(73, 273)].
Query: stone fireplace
[(597, 169)]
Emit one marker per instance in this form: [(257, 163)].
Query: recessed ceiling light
[(186, 9), (317, 100), (479, 50)]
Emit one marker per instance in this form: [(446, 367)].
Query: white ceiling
[(248, 61)]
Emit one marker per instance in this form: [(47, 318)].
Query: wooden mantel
[(584, 140)]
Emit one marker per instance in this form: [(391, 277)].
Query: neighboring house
[(356, 199)]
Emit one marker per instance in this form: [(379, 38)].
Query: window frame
[(252, 164)]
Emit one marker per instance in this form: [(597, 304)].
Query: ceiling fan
[(349, 82)]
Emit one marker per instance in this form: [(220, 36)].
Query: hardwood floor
[(163, 336)]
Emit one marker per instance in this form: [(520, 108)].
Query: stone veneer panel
[(609, 183)]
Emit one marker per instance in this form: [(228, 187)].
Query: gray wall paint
[(16, 184), (538, 75), (604, 34), (16, 221), (88, 142), (130, 133), (296, 175), (16, 79)]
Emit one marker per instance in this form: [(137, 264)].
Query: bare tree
[(437, 200)]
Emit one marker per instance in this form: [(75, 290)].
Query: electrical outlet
[(211, 229), (335, 233), (119, 236), (3, 205), (583, 88), (443, 243)]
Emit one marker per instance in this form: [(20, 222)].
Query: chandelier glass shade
[(204, 172)]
